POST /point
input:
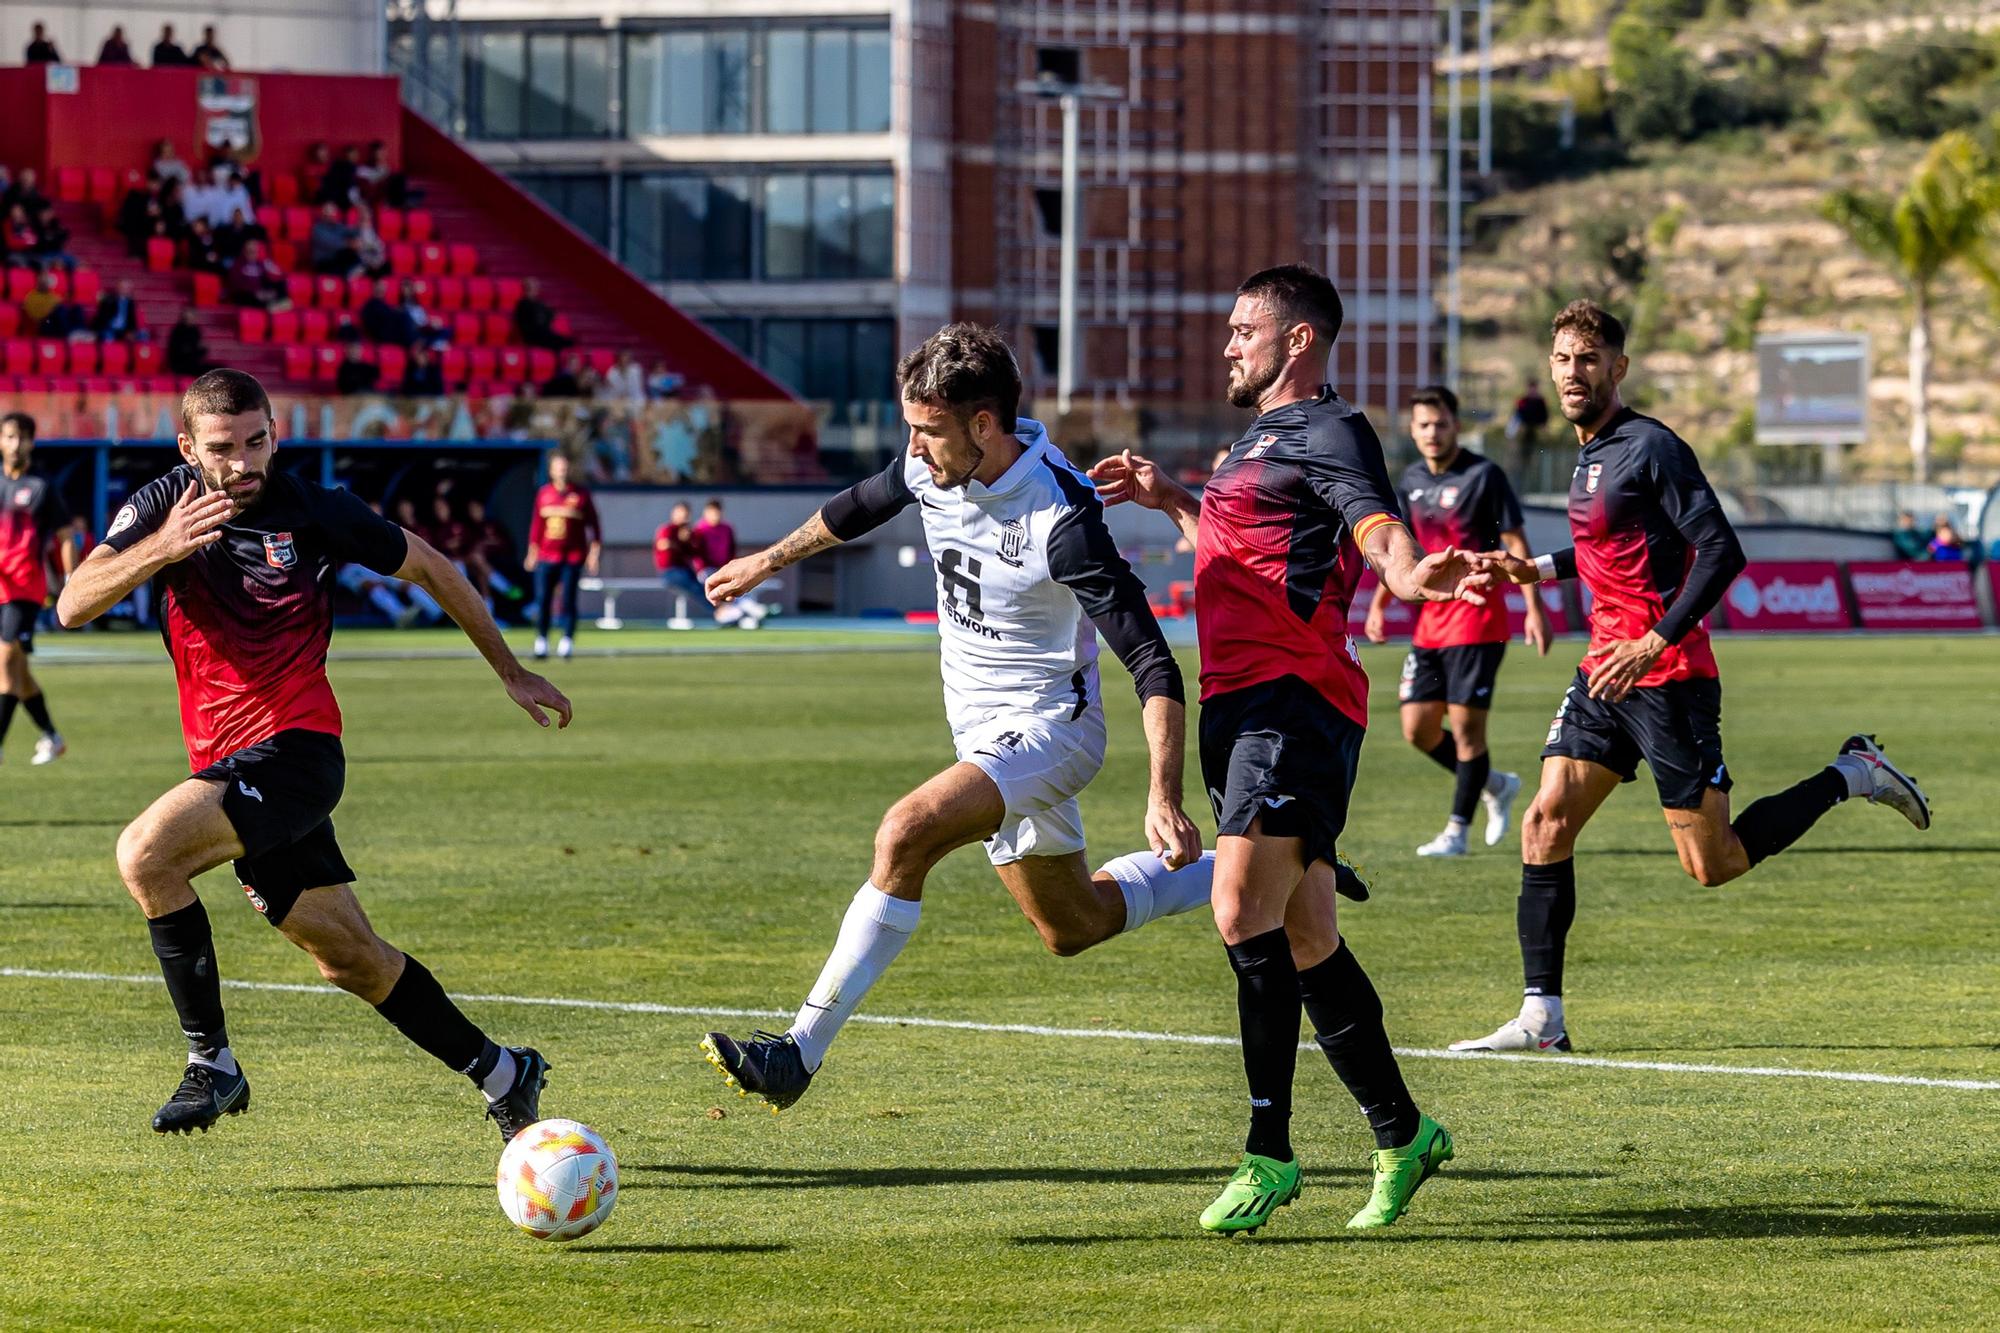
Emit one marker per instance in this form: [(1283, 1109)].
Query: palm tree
[(1945, 215)]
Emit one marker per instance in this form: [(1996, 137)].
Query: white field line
[(1080, 1034)]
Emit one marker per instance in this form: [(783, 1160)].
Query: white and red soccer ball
[(558, 1180)]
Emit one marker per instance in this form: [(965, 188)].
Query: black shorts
[(1459, 675), (17, 623), (1676, 728), (279, 795), (1279, 752)]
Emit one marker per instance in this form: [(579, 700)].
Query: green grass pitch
[(692, 841)]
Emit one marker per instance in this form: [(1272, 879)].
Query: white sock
[(1152, 891), (221, 1060), (497, 1084), (1456, 825), (1860, 777), (1542, 1013), (872, 933)]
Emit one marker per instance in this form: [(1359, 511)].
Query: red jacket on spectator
[(564, 525), (673, 547), (715, 544)]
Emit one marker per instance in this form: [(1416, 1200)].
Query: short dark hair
[(223, 393), (1298, 294), (1437, 396), (965, 369), (21, 422), (1587, 319)]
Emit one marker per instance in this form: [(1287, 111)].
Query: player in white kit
[(1025, 569)]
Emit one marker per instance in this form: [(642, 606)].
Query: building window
[(1058, 64), (539, 85), (694, 81), (687, 228), (1048, 207), (683, 226), (1048, 350), (734, 330), (826, 81), (849, 363), (585, 200)]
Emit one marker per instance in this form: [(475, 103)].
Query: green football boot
[(1260, 1187), (1398, 1172)]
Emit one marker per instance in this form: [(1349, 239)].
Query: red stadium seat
[(20, 281), (298, 223), (600, 359), (97, 386), (513, 364), (69, 386), (285, 255), (456, 365), (164, 384), (271, 218), (394, 361), (433, 258), (20, 355), (464, 260), (499, 329), (72, 184), (326, 362), (465, 329), (418, 225), (253, 326), (485, 363), (50, 356), (479, 294), (299, 289), (423, 289), (10, 320), (314, 327), (541, 364), (451, 295), (506, 294), (298, 363), (207, 289), (285, 327), (116, 359), (329, 293), (104, 186), (284, 189), (159, 254), (31, 384), (359, 288), (83, 358), (389, 223), (87, 285), (145, 359)]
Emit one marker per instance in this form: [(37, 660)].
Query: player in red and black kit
[(564, 540), (1280, 534), (242, 558), (1455, 498), (32, 517), (1656, 553)]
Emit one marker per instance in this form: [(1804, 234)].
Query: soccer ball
[(558, 1180)]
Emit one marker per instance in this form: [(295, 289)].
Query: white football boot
[(1893, 787), (565, 649), (49, 749), (1451, 842), (1538, 1027), (541, 647), (1501, 791)]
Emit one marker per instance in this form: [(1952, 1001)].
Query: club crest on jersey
[(257, 900), (1013, 537), (1263, 446), (25, 496), (1447, 497), (279, 553), (1590, 479)]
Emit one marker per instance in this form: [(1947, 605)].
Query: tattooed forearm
[(809, 539)]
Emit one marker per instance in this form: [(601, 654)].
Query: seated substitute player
[(243, 558), (1654, 549), (1280, 534), (1456, 498), (1025, 568), (32, 515)]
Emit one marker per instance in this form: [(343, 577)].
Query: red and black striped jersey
[(1278, 551)]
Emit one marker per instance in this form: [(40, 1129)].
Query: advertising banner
[(1900, 594), (1788, 596)]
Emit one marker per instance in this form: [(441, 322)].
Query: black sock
[(8, 703), (418, 1008), (186, 950), (1267, 1004), (1445, 753), (1347, 1022), (1769, 826), (1543, 915), (38, 713), (1472, 775)]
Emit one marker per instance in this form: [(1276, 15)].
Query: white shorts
[(1040, 765)]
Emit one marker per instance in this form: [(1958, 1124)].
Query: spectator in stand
[(356, 375), (423, 377), (241, 228), (331, 244), (236, 199), (41, 302), (1912, 542), (518, 420), (715, 546), (567, 382), (1526, 423), (674, 556), (535, 321), (201, 201), (51, 241), (383, 320), (17, 237), (338, 185), (137, 213), (115, 51), (173, 216), (167, 53), (187, 353), (380, 182), (370, 251), (1945, 543), (41, 51), (117, 316), (54, 315), (564, 541), (166, 166), (663, 383), (626, 382), (204, 252), (25, 191), (253, 280), (422, 330), (208, 55)]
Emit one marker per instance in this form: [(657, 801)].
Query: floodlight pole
[(1066, 284)]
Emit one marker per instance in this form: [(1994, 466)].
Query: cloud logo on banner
[(1744, 599)]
